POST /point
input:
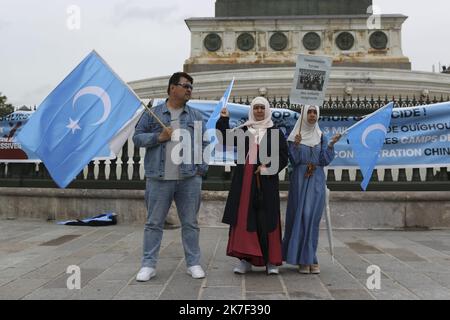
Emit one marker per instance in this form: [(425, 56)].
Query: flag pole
[(301, 120), (153, 114)]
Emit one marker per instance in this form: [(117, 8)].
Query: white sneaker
[(145, 274), (243, 267), (271, 269), (196, 272)]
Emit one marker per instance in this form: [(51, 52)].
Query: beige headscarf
[(311, 133), (259, 128)]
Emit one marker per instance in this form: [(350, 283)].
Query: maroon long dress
[(245, 245)]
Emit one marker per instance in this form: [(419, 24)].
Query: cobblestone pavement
[(34, 257)]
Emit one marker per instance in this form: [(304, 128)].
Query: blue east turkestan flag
[(211, 124), (367, 138), (225, 155), (79, 118)]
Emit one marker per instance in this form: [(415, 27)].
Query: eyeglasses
[(186, 86)]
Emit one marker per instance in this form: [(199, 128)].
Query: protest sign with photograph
[(311, 80)]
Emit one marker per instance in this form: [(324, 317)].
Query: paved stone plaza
[(34, 257)]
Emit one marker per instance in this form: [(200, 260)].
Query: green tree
[(5, 108)]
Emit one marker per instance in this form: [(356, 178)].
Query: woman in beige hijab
[(253, 205)]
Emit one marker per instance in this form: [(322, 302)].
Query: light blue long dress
[(306, 202)]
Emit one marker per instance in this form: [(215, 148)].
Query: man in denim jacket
[(167, 179)]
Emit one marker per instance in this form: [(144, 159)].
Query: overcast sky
[(147, 38)]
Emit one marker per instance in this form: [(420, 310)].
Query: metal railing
[(352, 106)]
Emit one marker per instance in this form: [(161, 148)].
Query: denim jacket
[(146, 136)]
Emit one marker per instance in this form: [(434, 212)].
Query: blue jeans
[(158, 197)]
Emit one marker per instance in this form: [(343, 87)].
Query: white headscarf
[(311, 133), (259, 128)]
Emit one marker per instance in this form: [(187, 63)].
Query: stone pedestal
[(263, 42), (239, 8), (349, 210)]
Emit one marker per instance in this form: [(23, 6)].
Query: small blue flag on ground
[(367, 138), (79, 118), (102, 220)]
